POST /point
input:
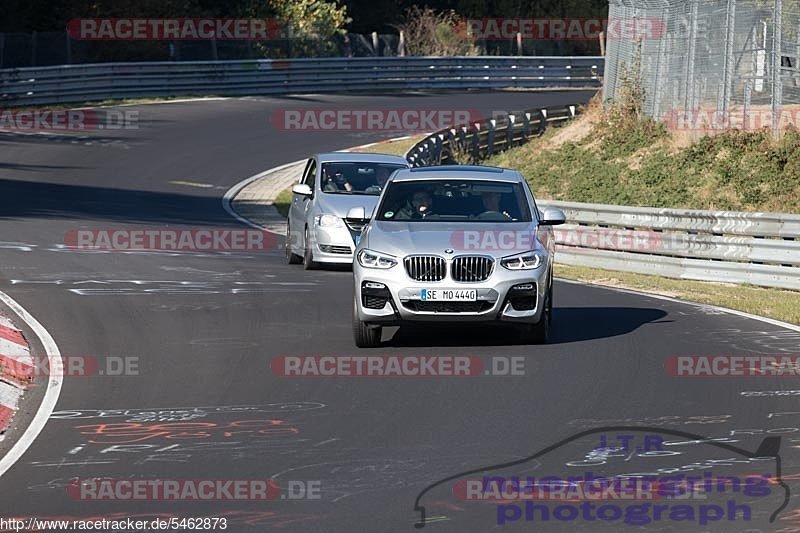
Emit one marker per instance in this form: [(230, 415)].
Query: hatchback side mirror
[(302, 189), (357, 213)]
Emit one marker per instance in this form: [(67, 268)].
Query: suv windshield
[(356, 178), (450, 200)]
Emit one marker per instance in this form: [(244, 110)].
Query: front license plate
[(448, 295)]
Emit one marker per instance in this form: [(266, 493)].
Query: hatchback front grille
[(425, 267), (472, 268), (355, 225), (330, 249)]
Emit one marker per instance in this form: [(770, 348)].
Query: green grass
[(392, 148), (635, 162), (283, 201), (772, 303)]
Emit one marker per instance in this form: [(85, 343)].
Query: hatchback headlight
[(524, 261), (328, 221), (371, 259)]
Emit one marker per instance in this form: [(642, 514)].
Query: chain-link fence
[(58, 48), (709, 64)]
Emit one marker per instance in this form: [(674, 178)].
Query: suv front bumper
[(508, 296)]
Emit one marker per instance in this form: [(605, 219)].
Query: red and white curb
[(16, 370), (15, 354), (51, 393)]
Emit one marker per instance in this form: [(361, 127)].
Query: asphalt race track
[(205, 326)]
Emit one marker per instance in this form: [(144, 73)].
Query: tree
[(431, 33), (311, 17)]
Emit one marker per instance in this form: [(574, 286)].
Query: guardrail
[(470, 143), (93, 82), (756, 248)]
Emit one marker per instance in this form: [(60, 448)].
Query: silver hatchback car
[(454, 244), (330, 185)]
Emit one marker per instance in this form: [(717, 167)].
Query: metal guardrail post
[(490, 137), (724, 103), (436, 153), (777, 84), (510, 131), (526, 125), (476, 143)]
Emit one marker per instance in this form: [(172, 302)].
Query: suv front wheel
[(539, 333), (365, 335)]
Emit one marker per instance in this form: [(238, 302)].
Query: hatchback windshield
[(452, 200), (356, 178)]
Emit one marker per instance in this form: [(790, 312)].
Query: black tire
[(364, 335), (291, 257), (540, 333), (308, 257)]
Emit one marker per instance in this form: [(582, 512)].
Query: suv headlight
[(371, 259), (524, 261), (328, 221)]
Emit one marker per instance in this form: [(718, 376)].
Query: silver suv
[(454, 244)]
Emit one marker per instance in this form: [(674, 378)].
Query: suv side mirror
[(552, 217), (302, 189)]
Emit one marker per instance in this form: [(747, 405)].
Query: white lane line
[(157, 102), (771, 321), (53, 386)]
